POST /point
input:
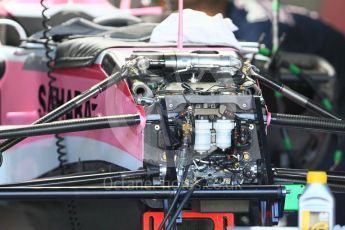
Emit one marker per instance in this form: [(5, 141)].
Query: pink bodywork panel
[(23, 93)]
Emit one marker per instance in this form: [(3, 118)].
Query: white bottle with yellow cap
[(316, 205)]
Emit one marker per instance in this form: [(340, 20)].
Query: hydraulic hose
[(176, 197), (182, 204), (73, 125)]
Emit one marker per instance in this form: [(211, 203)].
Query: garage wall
[(332, 11)]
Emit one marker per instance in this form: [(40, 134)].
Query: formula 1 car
[(168, 124)]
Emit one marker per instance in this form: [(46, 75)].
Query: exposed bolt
[(164, 156), (227, 180), (246, 156), (143, 64), (244, 105)]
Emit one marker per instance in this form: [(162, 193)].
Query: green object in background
[(294, 69), (278, 94), (327, 104), (276, 5), (294, 191), (265, 52), (338, 156), (287, 144)]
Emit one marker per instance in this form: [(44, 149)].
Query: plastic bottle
[(316, 205)]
